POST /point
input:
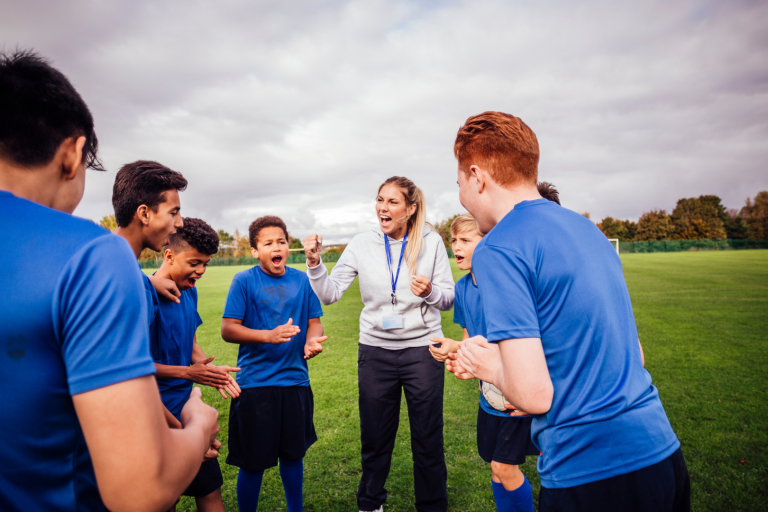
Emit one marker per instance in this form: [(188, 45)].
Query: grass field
[(702, 318)]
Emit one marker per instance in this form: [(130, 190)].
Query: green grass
[(702, 319)]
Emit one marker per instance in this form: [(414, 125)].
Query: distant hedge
[(246, 260)]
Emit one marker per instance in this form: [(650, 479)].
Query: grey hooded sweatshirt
[(366, 257)]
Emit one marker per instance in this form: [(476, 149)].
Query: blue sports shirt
[(468, 313), (153, 303), (547, 272), (171, 339), (264, 302), (72, 310)]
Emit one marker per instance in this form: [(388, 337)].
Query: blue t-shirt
[(264, 302), (171, 339), (153, 302), (468, 313), (72, 310), (547, 272)]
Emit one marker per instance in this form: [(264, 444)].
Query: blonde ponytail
[(413, 196)]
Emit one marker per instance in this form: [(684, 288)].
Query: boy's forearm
[(197, 353), (164, 371), (314, 330), (235, 333)]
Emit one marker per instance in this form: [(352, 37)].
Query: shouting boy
[(179, 360), (503, 434), (273, 416)]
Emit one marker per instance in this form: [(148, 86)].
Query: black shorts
[(208, 479), (662, 487), (504, 439), (268, 423)]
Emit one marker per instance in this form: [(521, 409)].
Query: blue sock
[(292, 473), (248, 488), (519, 500)]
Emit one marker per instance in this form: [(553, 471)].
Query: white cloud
[(303, 109)]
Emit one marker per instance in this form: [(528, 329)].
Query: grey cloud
[(301, 109)]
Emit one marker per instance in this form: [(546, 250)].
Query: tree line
[(695, 218)]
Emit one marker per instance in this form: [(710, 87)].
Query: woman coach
[(405, 281)]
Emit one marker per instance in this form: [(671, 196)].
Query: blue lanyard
[(389, 263)]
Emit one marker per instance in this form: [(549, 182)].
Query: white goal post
[(615, 242)]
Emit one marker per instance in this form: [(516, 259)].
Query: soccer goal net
[(615, 243)]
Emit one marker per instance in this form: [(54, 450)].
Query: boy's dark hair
[(142, 182), (39, 109), (548, 191), (196, 233), (267, 221)]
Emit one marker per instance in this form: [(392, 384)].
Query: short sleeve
[(458, 313), (507, 285), (100, 313), (236, 299), (315, 309)]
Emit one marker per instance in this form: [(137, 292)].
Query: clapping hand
[(314, 346), (284, 333), (480, 359)]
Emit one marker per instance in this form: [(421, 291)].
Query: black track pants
[(381, 375)]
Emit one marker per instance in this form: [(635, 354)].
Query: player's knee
[(504, 472)]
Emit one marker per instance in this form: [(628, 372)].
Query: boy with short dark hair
[(179, 360), (503, 434), (83, 428), (273, 416)]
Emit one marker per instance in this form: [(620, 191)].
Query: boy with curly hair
[(179, 360)]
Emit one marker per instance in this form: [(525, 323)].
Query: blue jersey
[(153, 302), (172, 337), (264, 302), (468, 313), (72, 319), (547, 272)]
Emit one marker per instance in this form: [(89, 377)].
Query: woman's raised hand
[(313, 244), (421, 286)]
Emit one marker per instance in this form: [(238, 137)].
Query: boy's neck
[(133, 235), (263, 269), (473, 276), (165, 271)]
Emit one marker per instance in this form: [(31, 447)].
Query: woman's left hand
[(421, 286)]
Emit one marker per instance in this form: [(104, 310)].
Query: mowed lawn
[(702, 319)]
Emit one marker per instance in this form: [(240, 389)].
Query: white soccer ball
[(494, 397)]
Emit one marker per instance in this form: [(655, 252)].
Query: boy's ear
[(478, 178), (142, 213), (168, 256), (72, 156), (254, 253)]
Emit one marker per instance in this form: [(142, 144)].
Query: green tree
[(443, 228), (108, 222), (736, 227), (296, 244), (697, 218), (654, 225), (624, 230), (224, 237), (755, 214)]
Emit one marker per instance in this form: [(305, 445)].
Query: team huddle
[(101, 359)]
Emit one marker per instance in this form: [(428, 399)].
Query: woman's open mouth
[(384, 220)]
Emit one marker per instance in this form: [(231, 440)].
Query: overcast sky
[(301, 109)]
